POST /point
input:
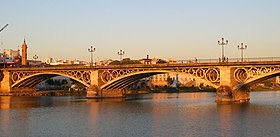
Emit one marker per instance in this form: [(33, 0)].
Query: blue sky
[(178, 29)]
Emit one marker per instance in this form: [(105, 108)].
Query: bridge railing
[(259, 59)]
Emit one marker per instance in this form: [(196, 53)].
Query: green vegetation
[(169, 80), (55, 82), (125, 61), (267, 85)]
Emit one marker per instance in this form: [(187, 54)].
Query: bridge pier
[(114, 93), (95, 92), (5, 82), (227, 94)]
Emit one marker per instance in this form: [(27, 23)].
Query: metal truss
[(210, 74), (22, 78), (243, 74)]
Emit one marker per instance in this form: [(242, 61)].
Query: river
[(153, 115)]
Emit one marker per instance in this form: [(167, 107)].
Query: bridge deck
[(252, 63)]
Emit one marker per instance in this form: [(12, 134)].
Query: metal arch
[(240, 74), (245, 74), (39, 81), (80, 75), (111, 74), (48, 73), (258, 79), (131, 75), (202, 79), (212, 75), (116, 84), (127, 83), (129, 80), (112, 83), (33, 81)]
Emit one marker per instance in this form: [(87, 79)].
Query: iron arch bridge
[(31, 78), (252, 75), (119, 79), (234, 75), (111, 78)]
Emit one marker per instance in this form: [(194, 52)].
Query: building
[(12, 53), (162, 80), (24, 53), (152, 61), (159, 80), (51, 61), (146, 60)]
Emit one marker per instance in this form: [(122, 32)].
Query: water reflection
[(232, 117), (190, 114)]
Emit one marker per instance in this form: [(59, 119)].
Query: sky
[(176, 29)]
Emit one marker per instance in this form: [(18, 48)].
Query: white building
[(9, 53)]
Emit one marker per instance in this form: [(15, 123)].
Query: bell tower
[(24, 53)]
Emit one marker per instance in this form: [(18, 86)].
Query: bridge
[(231, 79)]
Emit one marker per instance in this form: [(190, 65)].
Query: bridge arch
[(258, 79), (126, 80), (37, 78)]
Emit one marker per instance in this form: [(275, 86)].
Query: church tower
[(24, 53)]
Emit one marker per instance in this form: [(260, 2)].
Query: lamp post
[(4, 59), (241, 48), (91, 50), (35, 57), (121, 53), (223, 43)]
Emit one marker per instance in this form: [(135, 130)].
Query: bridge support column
[(226, 94), (5, 85), (93, 92), (115, 93)]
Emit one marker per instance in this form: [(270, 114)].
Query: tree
[(267, 83), (115, 62), (169, 80), (50, 82), (125, 61), (129, 61), (57, 82), (64, 82)]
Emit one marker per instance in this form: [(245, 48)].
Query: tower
[(24, 53)]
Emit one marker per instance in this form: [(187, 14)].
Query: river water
[(153, 115)]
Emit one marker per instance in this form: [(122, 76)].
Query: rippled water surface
[(159, 115)]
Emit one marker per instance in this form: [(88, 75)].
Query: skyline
[(161, 28)]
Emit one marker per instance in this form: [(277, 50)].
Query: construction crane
[(4, 27)]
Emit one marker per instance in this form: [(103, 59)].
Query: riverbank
[(173, 90), (262, 88), (46, 93), (139, 91)]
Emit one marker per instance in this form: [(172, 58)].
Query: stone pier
[(226, 94)]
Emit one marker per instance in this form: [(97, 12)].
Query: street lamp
[(35, 57), (222, 43), (91, 50), (4, 59), (241, 48), (121, 53)]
